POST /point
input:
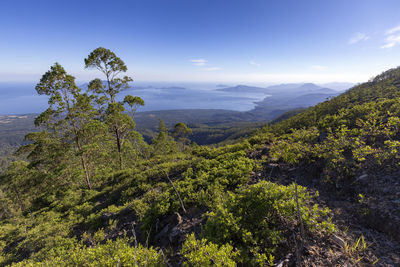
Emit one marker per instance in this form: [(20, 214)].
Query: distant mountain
[(322, 91), (222, 85), (284, 86), (274, 106), (338, 86), (309, 100), (281, 89), (286, 97), (299, 89), (308, 87)]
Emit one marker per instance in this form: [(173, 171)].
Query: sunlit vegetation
[(358, 130), (92, 192)]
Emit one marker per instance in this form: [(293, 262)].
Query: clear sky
[(253, 41)]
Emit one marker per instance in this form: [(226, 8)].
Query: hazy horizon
[(21, 97), (256, 42)]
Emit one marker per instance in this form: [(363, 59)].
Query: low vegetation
[(92, 192)]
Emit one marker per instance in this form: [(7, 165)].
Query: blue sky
[(247, 41)]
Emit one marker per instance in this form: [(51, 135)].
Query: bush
[(257, 220), (112, 253), (204, 253)]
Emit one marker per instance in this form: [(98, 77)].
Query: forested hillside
[(13, 129), (209, 127), (320, 188)]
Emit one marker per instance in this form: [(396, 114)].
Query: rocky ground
[(368, 209)]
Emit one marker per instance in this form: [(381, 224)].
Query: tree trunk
[(117, 134), (86, 173), (87, 176), (78, 144)]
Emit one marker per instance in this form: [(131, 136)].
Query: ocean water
[(21, 98), (175, 98)]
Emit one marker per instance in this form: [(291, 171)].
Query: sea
[(21, 98)]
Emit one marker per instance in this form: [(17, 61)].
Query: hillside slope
[(13, 129), (176, 204), (348, 149)]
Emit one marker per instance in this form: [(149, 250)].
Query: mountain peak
[(310, 86)]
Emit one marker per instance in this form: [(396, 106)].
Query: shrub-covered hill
[(317, 189), (13, 128), (211, 127), (384, 86)]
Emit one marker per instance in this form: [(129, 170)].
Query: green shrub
[(112, 253), (257, 219), (204, 253)]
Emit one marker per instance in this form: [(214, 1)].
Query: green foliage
[(13, 129), (257, 219), (204, 253), (181, 131), (112, 253), (347, 141), (163, 143), (356, 250), (90, 176), (133, 102), (120, 125), (110, 65), (370, 92), (205, 181), (293, 147)]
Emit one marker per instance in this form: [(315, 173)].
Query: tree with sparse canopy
[(120, 124), (111, 66), (133, 102), (65, 121)]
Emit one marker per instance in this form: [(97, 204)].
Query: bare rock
[(174, 235), (339, 241), (163, 232)]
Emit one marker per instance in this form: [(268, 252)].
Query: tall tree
[(111, 66), (68, 113)]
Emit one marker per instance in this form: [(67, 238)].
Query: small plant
[(364, 204), (355, 250)]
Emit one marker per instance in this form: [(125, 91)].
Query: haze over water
[(21, 98)]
